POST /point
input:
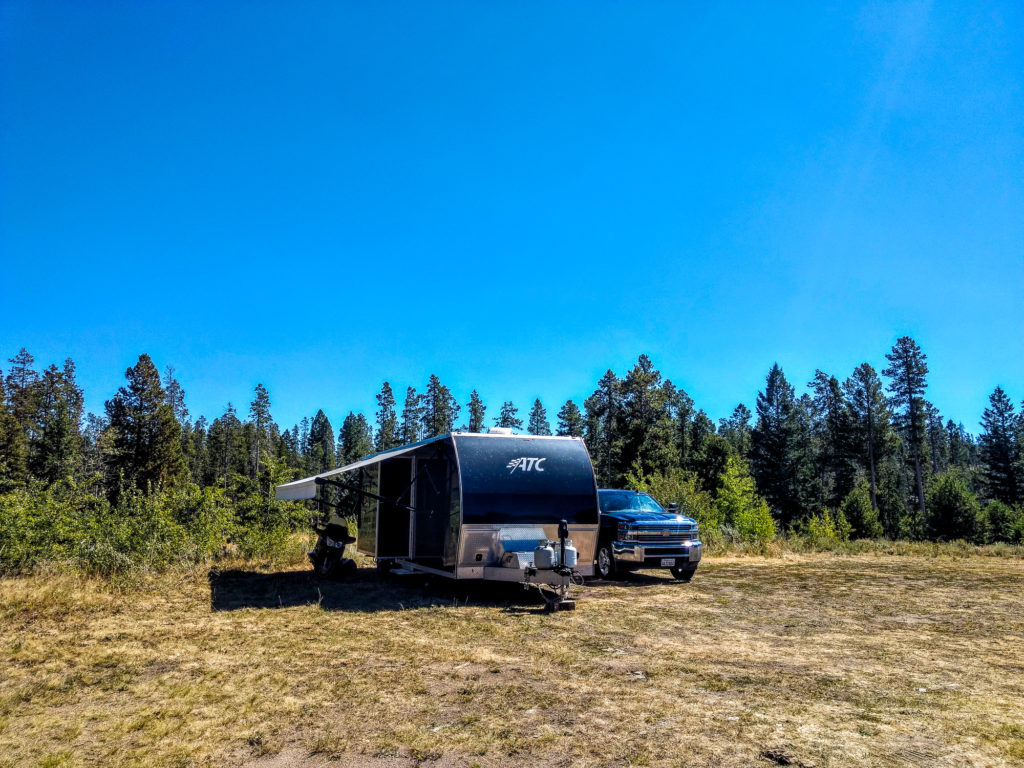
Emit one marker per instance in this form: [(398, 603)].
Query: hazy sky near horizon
[(514, 196)]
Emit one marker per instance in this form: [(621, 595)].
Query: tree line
[(868, 455)]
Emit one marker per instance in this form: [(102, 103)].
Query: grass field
[(824, 660)]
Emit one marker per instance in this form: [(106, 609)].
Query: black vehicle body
[(637, 532)]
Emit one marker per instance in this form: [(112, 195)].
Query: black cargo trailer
[(471, 506)]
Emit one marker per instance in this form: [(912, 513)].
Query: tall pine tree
[(1001, 450), (570, 420), (387, 419), (907, 374), (146, 438), (440, 409), (412, 417), (538, 424), (476, 410), (508, 417)]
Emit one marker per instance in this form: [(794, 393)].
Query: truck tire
[(684, 574), (604, 567)]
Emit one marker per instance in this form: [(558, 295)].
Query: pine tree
[(952, 508), (508, 417), (870, 413), (907, 374), (602, 435), (175, 396), (778, 448), (146, 438), (13, 447), (1001, 450), (226, 450), (832, 433), (570, 420), (321, 444), (412, 416), (647, 420), (961, 445), (476, 410), (259, 415), (538, 423), (59, 451), (736, 429), (23, 393), (938, 445), (440, 409), (355, 439), (387, 419)]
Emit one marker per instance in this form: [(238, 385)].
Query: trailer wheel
[(605, 565)]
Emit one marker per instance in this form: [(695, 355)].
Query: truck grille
[(663, 532)]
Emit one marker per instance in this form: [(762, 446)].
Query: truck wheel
[(683, 574), (605, 565)]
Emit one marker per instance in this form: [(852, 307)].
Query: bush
[(680, 487), (183, 526), (740, 508), (951, 510), (863, 518), (1000, 522), (826, 529)]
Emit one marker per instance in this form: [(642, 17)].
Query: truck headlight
[(624, 532)]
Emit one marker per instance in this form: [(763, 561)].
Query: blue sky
[(514, 196)]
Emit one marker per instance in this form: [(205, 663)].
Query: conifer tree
[(259, 415), (13, 448), (387, 419), (23, 392), (778, 448), (59, 452), (321, 444), (538, 423), (907, 374), (938, 445), (602, 410), (1001, 449), (175, 396), (146, 438), (440, 409), (952, 508), (570, 420), (508, 417), (647, 424), (412, 415), (476, 410), (831, 430), (961, 445), (870, 414), (736, 429), (355, 439)]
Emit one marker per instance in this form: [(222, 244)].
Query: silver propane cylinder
[(543, 556), (570, 554)]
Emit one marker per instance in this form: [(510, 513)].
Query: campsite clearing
[(824, 660)]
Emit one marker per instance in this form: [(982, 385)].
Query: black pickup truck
[(637, 532)]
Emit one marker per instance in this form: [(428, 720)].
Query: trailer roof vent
[(500, 431)]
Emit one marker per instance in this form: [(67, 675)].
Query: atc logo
[(526, 464)]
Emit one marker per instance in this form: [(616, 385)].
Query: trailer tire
[(604, 565)]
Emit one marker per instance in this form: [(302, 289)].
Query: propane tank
[(543, 556), (570, 554)]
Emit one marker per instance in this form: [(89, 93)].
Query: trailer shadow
[(366, 591)]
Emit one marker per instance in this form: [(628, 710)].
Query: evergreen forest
[(147, 485)]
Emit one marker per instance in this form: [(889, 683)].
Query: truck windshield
[(638, 502)]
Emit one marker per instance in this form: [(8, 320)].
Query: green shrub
[(740, 508), (863, 518), (951, 510)]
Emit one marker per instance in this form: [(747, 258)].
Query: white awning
[(306, 487)]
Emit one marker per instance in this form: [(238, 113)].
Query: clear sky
[(514, 196)]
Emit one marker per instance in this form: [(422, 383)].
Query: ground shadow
[(364, 591)]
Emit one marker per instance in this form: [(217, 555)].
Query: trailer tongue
[(496, 507)]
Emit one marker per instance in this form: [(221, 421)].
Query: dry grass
[(865, 660)]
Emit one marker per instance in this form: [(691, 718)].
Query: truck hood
[(637, 516)]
